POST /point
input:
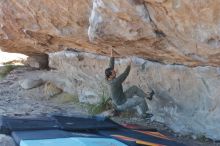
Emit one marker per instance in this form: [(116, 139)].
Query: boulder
[(51, 90), (30, 83), (168, 31), (186, 99)]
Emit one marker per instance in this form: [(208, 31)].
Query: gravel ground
[(15, 101)]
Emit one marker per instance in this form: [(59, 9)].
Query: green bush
[(103, 105), (5, 70), (202, 138)]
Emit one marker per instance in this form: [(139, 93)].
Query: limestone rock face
[(38, 61), (187, 99), (35, 27), (168, 31)]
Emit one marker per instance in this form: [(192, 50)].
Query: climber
[(133, 98)]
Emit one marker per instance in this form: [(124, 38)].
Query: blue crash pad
[(9, 124), (74, 141), (85, 123), (48, 134), (39, 134)]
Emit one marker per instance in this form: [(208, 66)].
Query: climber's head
[(110, 73)]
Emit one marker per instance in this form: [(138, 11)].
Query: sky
[(6, 57)]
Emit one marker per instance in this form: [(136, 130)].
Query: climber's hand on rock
[(129, 61), (112, 51)]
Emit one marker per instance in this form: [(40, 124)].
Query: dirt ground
[(15, 101)]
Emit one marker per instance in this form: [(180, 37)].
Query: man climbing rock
[(132, 98)]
